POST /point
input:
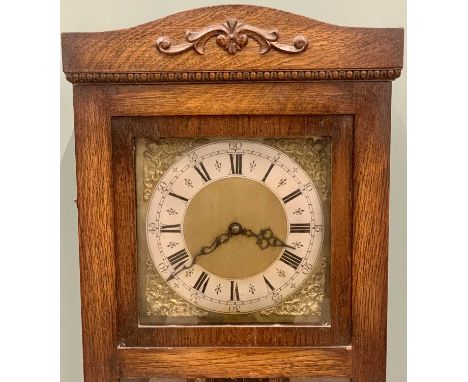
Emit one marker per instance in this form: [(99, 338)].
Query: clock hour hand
[(221, 239)]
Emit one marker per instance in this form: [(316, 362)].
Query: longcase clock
[(233, 172)]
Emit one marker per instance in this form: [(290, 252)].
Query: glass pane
[(233, 231)]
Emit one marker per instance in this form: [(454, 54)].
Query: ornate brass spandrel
[(232, 36), (313, 155), (159, 156), (161, 300), (308, 300)]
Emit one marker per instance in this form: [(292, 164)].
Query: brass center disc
[(234, 200)]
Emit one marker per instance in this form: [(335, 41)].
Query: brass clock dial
[(235, 226)]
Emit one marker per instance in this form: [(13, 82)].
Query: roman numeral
[(178, 197), (175, 228), (268, 283), (202, 172), (234, 291), (291, 196), (236, 165), (202, 282), (299, 228), (268, 172), (178, 259), (290, 259)]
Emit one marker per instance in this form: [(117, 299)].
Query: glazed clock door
[(233, 229)]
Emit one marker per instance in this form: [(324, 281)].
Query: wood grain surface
[(233, 99), (95, 224), (248, 362), (91, 56), (370, 246)]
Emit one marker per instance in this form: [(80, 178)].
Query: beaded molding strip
[(237, 75)]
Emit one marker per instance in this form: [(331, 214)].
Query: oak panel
[(248, 362), (330, 46), (95, 223), (370, 247), (237, 99)]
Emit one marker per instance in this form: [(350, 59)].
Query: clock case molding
[(234, 71)]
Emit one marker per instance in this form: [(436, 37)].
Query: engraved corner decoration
[(307, 300), (161, 300), (313, 155), (160, 155), (232, 36)]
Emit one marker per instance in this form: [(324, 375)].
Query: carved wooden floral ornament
[(232, 36)]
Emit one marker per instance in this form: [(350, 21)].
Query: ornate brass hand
[(265, 239), (221, 239)]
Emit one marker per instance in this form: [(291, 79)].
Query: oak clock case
[(233, 179), (233, 230)]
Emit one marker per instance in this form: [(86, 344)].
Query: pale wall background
[(102, 15)]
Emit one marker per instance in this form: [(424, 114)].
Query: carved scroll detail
[(231, 36)]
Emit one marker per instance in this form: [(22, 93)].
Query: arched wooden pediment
[(233, 43)]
